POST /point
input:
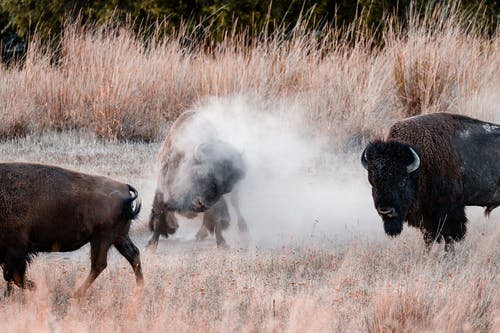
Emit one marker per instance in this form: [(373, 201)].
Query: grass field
[(347, 279), (316, 258)]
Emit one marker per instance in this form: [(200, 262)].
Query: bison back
[(48, 207)]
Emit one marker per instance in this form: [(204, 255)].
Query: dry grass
[(367, 286), (352, 282), (109, 82), (109, 85), (376, 286)]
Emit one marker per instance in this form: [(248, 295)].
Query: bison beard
[(393, 196), (393, 227), (46, 208), (458, 165)]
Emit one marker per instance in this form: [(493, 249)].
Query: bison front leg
[(153, 242), (155, 225), (242, 224), (98, 262), (221, 242), (429, 239), (212, 223), (202, 233), (455, 228), (162, 224), (14, 271), (131, 253), (217, 219), (450, 226)]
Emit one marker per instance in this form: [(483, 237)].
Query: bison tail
[(131, 209)]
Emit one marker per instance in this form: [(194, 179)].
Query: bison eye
[(402, 183)]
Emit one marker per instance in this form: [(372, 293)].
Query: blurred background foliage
[(22, 18)]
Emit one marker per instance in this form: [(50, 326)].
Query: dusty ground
[(344, 281)]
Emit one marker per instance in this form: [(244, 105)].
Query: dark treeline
[(19, 19)]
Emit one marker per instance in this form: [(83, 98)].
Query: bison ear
[(364, 161), (413, 166)]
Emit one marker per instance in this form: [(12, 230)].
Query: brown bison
[(430, 168), (196, 169), (49, 209)]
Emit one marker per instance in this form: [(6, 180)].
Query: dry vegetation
[(378, 287), (109, 85), (352, 282), (110, 82)]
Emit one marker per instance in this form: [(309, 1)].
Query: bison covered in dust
[(195, 170), (49, 209), (429, 168)]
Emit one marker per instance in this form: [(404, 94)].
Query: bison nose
[(387, 211)]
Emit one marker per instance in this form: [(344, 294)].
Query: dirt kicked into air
[(295, 187)]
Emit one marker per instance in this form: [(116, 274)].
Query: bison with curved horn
[(429, 168), (50, 209), (196, 169)]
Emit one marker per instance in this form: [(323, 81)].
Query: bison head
[(217, 167), (201, 179), (393, 169)]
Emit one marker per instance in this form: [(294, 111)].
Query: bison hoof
[(222, 245), (8, 290), (30, 285), (152, 245), (202, 234), (242, 226), (139, 282), (79, 293)]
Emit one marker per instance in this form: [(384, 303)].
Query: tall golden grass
[(113, 83), (109, 83)]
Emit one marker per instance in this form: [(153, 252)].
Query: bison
[(429, 168), (196, 170), (50, 209)]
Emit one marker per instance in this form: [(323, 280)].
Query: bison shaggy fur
[(195, 170), (50, 209), (429, 168)]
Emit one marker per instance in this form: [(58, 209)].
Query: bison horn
[(198, 152), (364, 161), (415, 164)]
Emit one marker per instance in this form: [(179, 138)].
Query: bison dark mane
[(459, 165)]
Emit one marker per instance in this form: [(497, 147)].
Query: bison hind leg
[(127, 249)]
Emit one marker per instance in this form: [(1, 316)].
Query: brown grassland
[(105, 106)]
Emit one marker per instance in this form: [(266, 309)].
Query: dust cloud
[(295, 188)]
